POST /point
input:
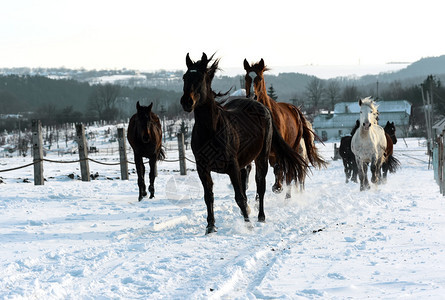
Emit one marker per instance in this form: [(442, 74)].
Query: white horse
[(369, 144)]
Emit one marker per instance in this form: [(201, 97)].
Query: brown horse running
[(289, 119), (391, 163), (227, 137), (145, 137)]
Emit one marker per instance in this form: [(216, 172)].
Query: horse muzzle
[(187, 103), (366, 125)]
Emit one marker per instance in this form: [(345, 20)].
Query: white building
[(341, 122)]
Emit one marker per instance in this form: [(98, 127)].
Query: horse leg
[(376, 167), (261, 168), (374, 175), (279, 176), (140, 169), (152, 175), (207, 184), (346, 167), (362, 170), (354, 171), (240, 195)]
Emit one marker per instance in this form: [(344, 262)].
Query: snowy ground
[(70, 239)]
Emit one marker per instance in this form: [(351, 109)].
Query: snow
[(70, 239)]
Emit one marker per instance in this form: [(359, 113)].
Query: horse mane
[(211, 72), (368, 101), (256, 65)]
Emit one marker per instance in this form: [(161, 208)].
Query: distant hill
[(412, 73)]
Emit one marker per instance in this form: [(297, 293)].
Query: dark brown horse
[(145, 137), (391, 163), (227, 137), (289, 119)]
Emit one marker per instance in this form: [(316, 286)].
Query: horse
[(289, 120), (391, 163), (369, 144), (145, 137), (348, 158), (390, 129), (228, 136)]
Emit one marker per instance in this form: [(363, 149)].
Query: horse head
[(197, 82), (390, 129), (144, 123), (254, 77), (368, 113)]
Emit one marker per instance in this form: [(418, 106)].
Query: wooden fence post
[(182, 166), (122, 153), (83, 152), (37, 151)]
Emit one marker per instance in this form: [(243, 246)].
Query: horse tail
[(309, 136), (392, 163), (161, 154), (289, 161)]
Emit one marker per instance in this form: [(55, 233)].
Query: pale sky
[(153, 35)]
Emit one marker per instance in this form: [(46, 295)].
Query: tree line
[(66, 101)]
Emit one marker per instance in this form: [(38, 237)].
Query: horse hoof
[(262, 219), (364, 188), (211, 229), (288, 196), (151, 196), (276, 189)]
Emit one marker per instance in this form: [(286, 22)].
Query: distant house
[(341, 122)]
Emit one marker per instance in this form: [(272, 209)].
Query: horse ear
[(150, 106), (188, 61), (246, 65), (261, 64), (360, 102), (204, 60), (138, 106), (387, 123)]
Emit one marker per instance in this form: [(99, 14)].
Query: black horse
[(390, 129), (227, 137), (391, 164), (145, 137), (349, 163)]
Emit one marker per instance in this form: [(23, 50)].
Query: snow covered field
[(70, 239)]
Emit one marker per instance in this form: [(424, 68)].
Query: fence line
[(438, 162), (83, 155)]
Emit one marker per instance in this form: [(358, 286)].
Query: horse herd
[(229, 135)]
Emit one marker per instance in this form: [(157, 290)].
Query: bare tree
[(394, 91), (332, 93), (350, 93), (314, 93), (103, 100)]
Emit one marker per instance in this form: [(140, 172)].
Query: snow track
[(74, 240)]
